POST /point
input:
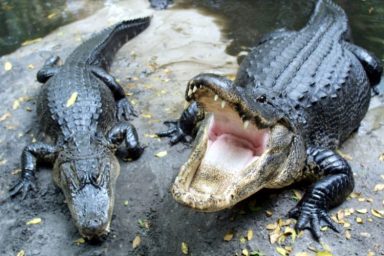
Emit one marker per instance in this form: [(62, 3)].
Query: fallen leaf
[(153, 136), (34, 221), (136, 242), (379, 187), (344, 155), (245, 252), (381, 158), (146, 115), (359, 220), (72, 99), (256, 253), (377, 213), (242, 240), (184, 248), (161, 154), (271, 226), (7, 66), (31, 66), (79, 241), (324, 253), (28, 42), (52, 15), (371, 253), (347, 235), (362, 211), (5, 116), (21, 253), (250, 234), (126, 203), (3, 161), (297, 195), (281, 251), (302, 254), (228, 236), (268, 213)]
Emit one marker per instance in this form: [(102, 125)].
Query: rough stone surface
[(154, 68)]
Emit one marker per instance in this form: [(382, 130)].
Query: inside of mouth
[(231, 148)]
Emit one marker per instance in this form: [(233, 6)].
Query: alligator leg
[(49, 69), (124, 108), (185, 126), (370, 62), (124, 131), (331, 190), (31, 154)]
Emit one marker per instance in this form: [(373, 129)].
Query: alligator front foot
[(174, 132), (312, 217), (125, 110), (26, 183)]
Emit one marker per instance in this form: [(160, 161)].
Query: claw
[(23, 186), (125, 110), (174, 131)]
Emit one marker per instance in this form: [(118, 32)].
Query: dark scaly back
[(100, 49), (310, 77)]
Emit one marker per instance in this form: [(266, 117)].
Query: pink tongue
[(228, 153)]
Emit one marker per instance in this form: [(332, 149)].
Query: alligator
[(84, 113), (296, 97), (160, 4)]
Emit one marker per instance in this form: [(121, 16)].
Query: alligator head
[(244, 144), (88, 180)]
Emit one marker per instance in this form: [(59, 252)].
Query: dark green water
[(23, 20), (245, 21)]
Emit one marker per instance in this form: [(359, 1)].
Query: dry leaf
[(228, 236), (7, 66), (28, 42), (79, 241), (34, 221), (242, 240), (281, 251), (378, 214), (245, 252), (161, 154), (297, 194), (347, 234), (302, 254), (379, 187), (250, 234), (136, 242), (72, 99), (272, 226), (184, 248), (324, 253), (362, 211), (146, 115), (126, 203), (5, 116), (359, 220), (21, 253), (268, 213)]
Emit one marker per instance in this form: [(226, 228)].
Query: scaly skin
[(315, 83), (84, 113)]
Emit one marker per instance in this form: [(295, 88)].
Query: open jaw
[(230, 157)]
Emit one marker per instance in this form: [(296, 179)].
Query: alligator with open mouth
[(84, 112), (296, 97)]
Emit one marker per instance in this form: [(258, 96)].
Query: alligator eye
[(262, 98)]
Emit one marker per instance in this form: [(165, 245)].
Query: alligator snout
[(94, 227)]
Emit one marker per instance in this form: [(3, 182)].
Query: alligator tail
[(327, 9), (100, 49)]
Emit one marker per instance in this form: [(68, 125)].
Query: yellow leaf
[(126, 203), (7, 66), (153, 136), (381, 158), (72, 99), (362, 211), (250, 234), (348, 235), (52, 15), (359, 220), (281, 251), (146, 115), (302, 254), (21, 253), (245, 252), (5, 116), (79, 241), (31, 66), (28, 42), (324, 253), (184, 248), (297, 194), (271, 226), (34, 221), (268, 213), (161, 154), (228, 236), (136, 242), (377, 213), (379, 187)]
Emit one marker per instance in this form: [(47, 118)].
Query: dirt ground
[(155, 67)]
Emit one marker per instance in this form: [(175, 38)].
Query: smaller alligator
[(296, 97), (84, 112)]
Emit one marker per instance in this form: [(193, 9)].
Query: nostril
[(94, 224)]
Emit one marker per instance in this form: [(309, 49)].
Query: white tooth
[(246, 123), (216, 97), (189, 92), (223, 104), (194, 89)]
